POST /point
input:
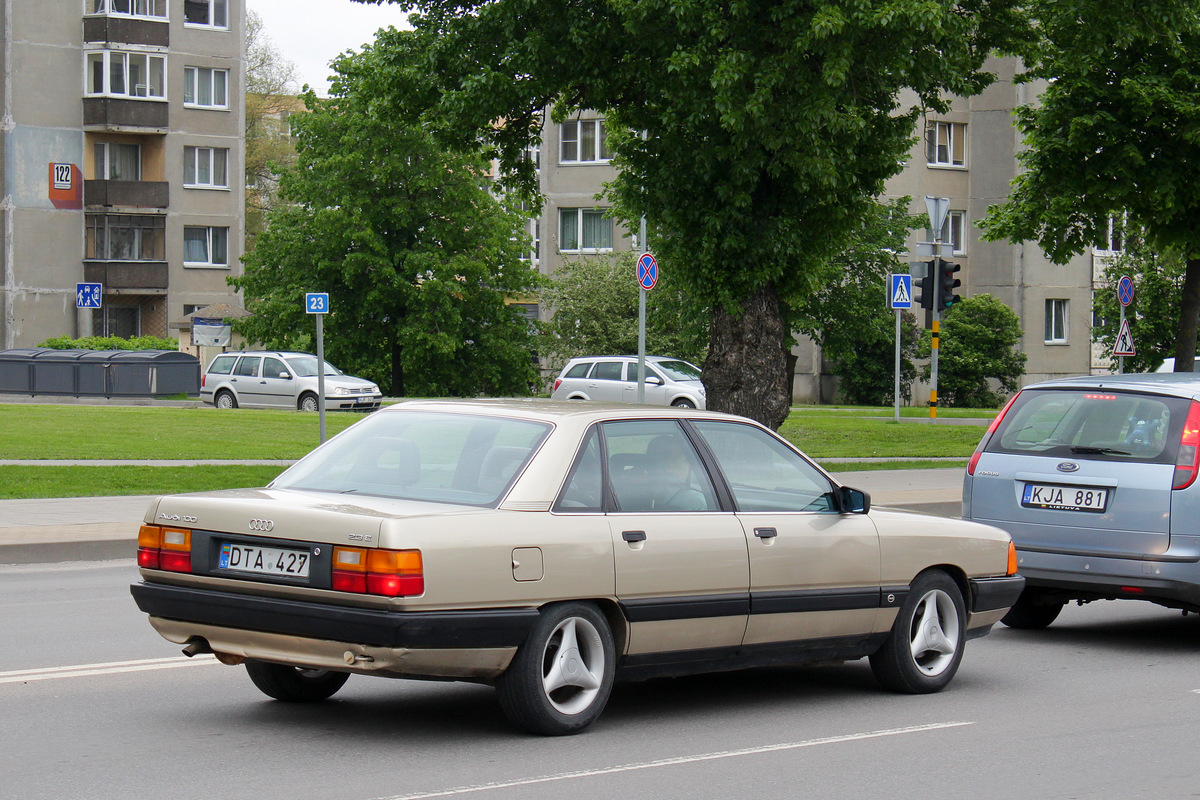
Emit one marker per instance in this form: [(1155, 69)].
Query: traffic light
[(947, 283), (923, 287)]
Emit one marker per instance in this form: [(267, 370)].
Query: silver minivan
[(614, 379), (1095, 480)]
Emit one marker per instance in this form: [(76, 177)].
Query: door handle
[(766, 533), (633, 536)]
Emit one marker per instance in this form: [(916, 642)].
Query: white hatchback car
[(614, 379)]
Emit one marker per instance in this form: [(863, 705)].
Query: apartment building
[(122, 163), (967, 155)]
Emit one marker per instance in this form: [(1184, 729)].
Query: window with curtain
[(205, 88), (117, 161), (206, 167), (1056, 321), (125, 237), (205, 246), (209, 13), (583, 141), (584, 230), (946, 144)]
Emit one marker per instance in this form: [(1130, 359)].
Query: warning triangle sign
[(1124, 344)]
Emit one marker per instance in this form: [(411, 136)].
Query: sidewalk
[(105, 528)]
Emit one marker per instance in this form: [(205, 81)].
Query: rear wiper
[(1099, 451)]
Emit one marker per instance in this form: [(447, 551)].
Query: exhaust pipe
[(196, 646)]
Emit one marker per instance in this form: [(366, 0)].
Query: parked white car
[(274, 379), (614, 379)]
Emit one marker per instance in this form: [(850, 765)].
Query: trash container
[(16, 369), (153, 373)]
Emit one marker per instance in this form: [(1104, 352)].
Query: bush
[(110, 343), (978, 342)]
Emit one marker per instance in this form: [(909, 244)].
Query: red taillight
[(203, 378), (1132, 590), (389, 573), (165, 548), (991, 429), (1187, 463), (557, 383)]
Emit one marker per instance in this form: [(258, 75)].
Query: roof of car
[(551, 410), (1182, 384)]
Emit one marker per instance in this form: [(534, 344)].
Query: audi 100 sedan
[(550, 549)]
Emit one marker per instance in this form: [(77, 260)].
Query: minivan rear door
[(1085, 471)]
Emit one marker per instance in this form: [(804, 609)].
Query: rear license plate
[(1064, 498), (264, 560)]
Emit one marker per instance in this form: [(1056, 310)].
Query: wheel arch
[(611, 611)]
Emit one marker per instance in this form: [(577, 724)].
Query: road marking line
[(669, 762), (109, 668)]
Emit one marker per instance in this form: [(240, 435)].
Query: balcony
[(133, 194), (124, 30), (142, 275), (115, 113)]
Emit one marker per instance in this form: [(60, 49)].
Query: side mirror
[(853, 501), (285, 376), (653, 380)]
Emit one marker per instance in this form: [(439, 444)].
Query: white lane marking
[(669, 762), (109, 668)]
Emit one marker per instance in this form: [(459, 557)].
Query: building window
[(116, 161), (584, 230), (953, 232), (116, 73), (154, 9), (946, 144), (1113, 235), (210, 13), (205, 247), (206, 167), (124, 322), (1056, 322), (125, 237), (205, 88), (583, 142)]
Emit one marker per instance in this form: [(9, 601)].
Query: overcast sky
[(312, 32)]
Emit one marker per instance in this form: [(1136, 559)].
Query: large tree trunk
[(397, 369), (746, 369), (1189, 317)]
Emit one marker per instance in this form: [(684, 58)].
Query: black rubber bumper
[(992, 593), (424, 630)]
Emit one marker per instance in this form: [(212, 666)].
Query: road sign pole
[(1121, 327), (896, 382), (321, 373), (641, 392)]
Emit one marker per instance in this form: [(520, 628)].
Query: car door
[(814, 572), (656, 392), (245, 381), (277, 390), (681, 563), (605, 381)]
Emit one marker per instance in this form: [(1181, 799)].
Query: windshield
[(418, 455), (306, 366), (679, 370)]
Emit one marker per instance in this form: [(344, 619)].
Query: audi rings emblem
[(264, 525)]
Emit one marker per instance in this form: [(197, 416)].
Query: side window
[(764, 473), (583, 491), (247, 366), (608, 371), (579, 370), (652, 467), (222, 365), (273, 368)]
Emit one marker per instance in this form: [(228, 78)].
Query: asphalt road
[(1103, 704)]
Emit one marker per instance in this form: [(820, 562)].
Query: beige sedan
[(552, 548)]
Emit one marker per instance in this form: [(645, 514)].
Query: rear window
[(1092, 424), (222, 365), (579, 370)]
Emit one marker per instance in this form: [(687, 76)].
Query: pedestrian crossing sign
[(900, 291)]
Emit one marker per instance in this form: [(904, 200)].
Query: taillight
[(165, 548), (203, 378), (557, 383), (991, 429), (1187, 463), (389, 573)]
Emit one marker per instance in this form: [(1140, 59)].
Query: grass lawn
[(22, 482)]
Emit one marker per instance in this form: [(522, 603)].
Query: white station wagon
[(551, 548)]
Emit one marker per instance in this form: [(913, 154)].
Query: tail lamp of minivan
[(1187, 463), (987, 436)]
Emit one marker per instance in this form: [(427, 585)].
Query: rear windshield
[(1092, 424)]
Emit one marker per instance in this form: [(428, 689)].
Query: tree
[(849, 318), (595, 305), (751, 135), (1113, 133), (270, 99), (417, 254), (1153, 315), (978, 343)]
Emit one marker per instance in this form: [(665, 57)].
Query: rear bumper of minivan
[(1173, 583)]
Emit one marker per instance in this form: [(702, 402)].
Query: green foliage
[(848, 315), (595, 304), (417, 255), (752, 136), (111, 343), (1153, 315), (978, 344)]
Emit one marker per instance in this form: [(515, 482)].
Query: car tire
[(1033, 611), (225, 399), (308, 402), (925, 647), (683, 402), (561, 677), (293, 684)]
